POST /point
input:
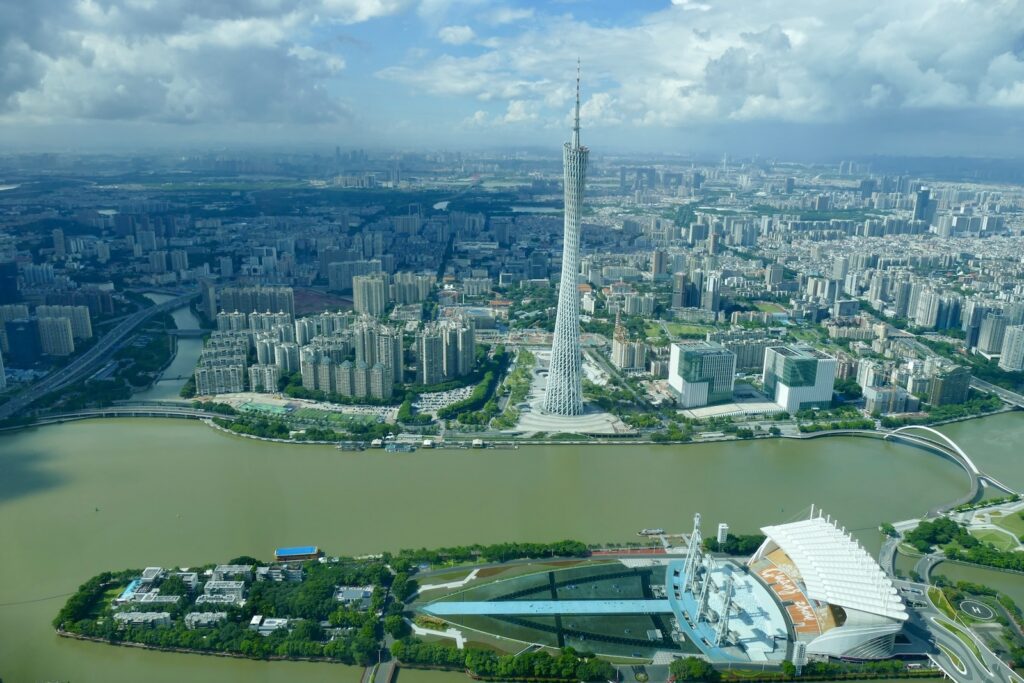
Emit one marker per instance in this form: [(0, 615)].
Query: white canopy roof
[(835, 569)]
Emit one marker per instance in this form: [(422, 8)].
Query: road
[(87, 363), (1005, 394)]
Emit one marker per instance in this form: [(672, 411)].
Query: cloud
[(520, 111), (509, 15), (704, 63), (183, 61), (456, 35)]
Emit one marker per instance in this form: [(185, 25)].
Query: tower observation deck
[(564, 392)]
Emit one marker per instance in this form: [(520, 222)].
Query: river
[(79, 498), (172, 379)]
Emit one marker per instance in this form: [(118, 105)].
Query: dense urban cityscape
[(465, 378)]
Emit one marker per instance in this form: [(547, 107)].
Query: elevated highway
[(1007, 396), (82, 366)]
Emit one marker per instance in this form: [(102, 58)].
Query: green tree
[(693, 669)]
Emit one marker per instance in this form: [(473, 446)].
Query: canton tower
[(564, 393)]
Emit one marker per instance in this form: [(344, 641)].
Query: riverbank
[(127, 493), (187, 651)]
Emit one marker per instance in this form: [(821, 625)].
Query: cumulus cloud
[(509, 15), (456, 35), (696, 63), (183, 61)]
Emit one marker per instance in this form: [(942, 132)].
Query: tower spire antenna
[(576, 123)]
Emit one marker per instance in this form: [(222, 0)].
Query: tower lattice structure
[(564, 393)]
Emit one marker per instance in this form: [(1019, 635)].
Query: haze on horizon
[(800, 79)]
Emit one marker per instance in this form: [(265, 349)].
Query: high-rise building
[(158, 262), (430, 357), (950, 385), (564, 392), (701, 373), (370, 294), (1011, 356), (81, 323), (56, 337), (993, 328), (774, 274), (58, 243), (799, 377), (22, 342), (9, 282), (840, 268), (179, 260), (263, 378), (3, 377), (10, 312), (208, 299), (659, 260), (258, 298), (921, 201), (445, 351), (222, 379)]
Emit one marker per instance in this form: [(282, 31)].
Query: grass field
[(1000, 540), (677, 329), (1012, 522), (769, 307)]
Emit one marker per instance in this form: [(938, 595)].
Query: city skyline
[(692, 77)]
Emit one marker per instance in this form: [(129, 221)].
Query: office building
[(798, 377), (701, 373)]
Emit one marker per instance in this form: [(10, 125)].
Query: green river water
[(79, 498)]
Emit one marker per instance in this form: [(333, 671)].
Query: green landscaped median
[(963, 636), (952, 657), (938, 599)]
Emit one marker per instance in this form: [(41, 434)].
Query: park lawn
[(108, 597), (1012, 522), (681, 329), (653, 329), (1000, 540)]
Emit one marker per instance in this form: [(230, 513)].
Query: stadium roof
[(835, 569)]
